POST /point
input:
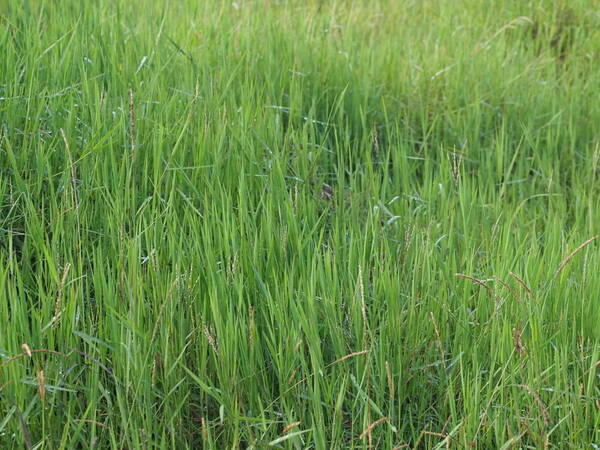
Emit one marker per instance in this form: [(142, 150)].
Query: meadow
[(299, 224)]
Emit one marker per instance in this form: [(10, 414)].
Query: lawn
[(299, 224)]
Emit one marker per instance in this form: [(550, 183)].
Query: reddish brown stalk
[(518, 344), (59, 297), (390, 380), (573, 253), (290, 427), (31, 352), (509, 289), (41, 385), (522, 283), (479, 282), (543, 409), (100, 424), (367, 431), (132, 122), (351, 355)]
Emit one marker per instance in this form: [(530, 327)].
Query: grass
[(299, 224)]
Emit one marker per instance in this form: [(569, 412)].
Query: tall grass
[(303, 224)]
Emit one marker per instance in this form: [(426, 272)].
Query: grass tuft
[(269, 223)]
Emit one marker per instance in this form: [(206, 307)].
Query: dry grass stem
[(289, 427), (522, 283), (41, 385), (351, 355), (540, 403), (27, 350), (573, 253), (390, 380), (479, 282), (518, 344), (132, 122), (94, 422), (367, 431), (60, 295)]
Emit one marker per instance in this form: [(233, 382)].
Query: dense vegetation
[(302, 224)]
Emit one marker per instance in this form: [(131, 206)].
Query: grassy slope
[(164, 223)]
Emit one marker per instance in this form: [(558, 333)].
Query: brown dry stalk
[(73, 174), (30, 353), (522, 283), (326, 192), (456, 162), (367, 431), (295, 197), (390, 380), (100, 424), (289, 427), (292, 377), (297, 346), (91, 358), (302, 380), (509, 289), (27, 349), (41, 385), (519, 347), (431, 433), (369, 434), (438, 339), (573, 253), (132, 122), (61, 291), (361, 291), (24, 429), (363, 307), (204, 431), (543, 409), (156, 365), (440, 435), (479, 282), (251, 324), (211, 339), (162, 308), (596, 364), (351, 355)]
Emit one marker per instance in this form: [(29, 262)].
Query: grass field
[(299, 224)]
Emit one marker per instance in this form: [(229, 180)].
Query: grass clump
[(299, 224)]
